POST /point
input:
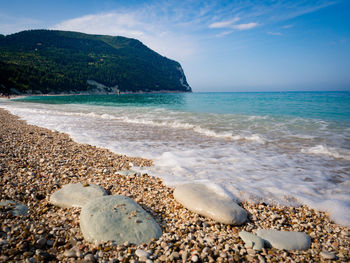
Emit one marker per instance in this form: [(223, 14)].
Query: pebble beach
[(35, 162)]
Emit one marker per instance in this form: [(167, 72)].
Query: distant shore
[(35, 162), (7, 96)]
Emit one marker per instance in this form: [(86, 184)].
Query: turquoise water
[(322, 105), (283, 147)]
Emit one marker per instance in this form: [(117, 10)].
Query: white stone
[(76, 195), (194, 258), (200, 199), (252, 240), (284, 239), (127, 172), (141, 253), (113, 218), (327, 255)]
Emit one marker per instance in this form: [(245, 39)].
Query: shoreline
[(15, 96), (35, 162)]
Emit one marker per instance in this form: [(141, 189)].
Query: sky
[(236, 45)]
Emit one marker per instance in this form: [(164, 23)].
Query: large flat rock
[(76, 195), (285, 239), (117, 218), (200, 199)]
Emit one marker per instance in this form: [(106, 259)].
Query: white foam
[(196, 128), (328, 151)]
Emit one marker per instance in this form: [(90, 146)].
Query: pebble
[(70, 253), (327, 255), (194, 258), (89, 258), (41, 242), (141, 253)]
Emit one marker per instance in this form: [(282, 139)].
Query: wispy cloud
[(224, 24), (287, 26), (176, 30), (225, 33), (245, 26), (230, 25), (274, 33), (134, 24)]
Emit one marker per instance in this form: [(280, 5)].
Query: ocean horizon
[(289, 148)]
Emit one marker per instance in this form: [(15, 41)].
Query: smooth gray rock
[(76, 195), (117, 218), (252, 240), (127, 172), (284, 239), (200, 199), (18, 209)]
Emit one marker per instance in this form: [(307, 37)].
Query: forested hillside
[(45, 61)]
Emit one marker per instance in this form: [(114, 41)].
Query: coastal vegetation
[(47, 61)]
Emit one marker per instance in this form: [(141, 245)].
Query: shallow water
[(288, 148)]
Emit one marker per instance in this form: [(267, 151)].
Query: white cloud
[(107, 23), (225, 33), (224, 24), (274, 33), (287, 26), (229, 24), (135, 24), (245, 26)]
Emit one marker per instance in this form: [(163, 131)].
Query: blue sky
[(222, 45)]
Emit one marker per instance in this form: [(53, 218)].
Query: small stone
[(174, 255), (30, 260), (327, 255), (184, 256), (41, 242), (141, 253), (261, 259), (17, 208), (89, 258), (285, 239), (3, 258), (78, 253), (69, 253), (50, 243), (194, 258), (127, 173), (251, 240)]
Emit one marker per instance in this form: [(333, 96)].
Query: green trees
[(44, 61)]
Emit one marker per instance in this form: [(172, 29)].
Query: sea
[(289, 148)]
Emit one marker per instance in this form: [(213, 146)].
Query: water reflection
[(175, 100)]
